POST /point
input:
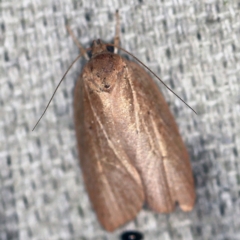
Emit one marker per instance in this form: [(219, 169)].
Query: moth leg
[(117, 33), (81, 48)]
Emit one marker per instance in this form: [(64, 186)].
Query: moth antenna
[(155, 76), (83, 51), (117, 32), (80, 55)]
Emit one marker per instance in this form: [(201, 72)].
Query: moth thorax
[(104, 68)]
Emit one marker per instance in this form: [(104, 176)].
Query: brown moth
[(129, 145)]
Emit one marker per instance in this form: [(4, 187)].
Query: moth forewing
[(157, 148), (113, 183)]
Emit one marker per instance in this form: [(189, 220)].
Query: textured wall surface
[(192, 45)]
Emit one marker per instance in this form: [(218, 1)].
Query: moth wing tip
[(187, 207)]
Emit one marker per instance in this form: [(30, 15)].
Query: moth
[(129, 145)]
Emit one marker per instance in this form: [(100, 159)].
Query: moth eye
[(110, 49), (89, 53), (106, 86)]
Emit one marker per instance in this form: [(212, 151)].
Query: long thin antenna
[(155, 76), (83, 51), (80, 55), (117, 32)]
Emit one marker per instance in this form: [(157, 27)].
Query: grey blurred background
[(192, 45)]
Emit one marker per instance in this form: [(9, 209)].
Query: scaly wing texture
[(113, 184), (161, 158), (158, 123), (130, 147)]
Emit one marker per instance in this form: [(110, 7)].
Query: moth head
[(99, 47), (104, 68)]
